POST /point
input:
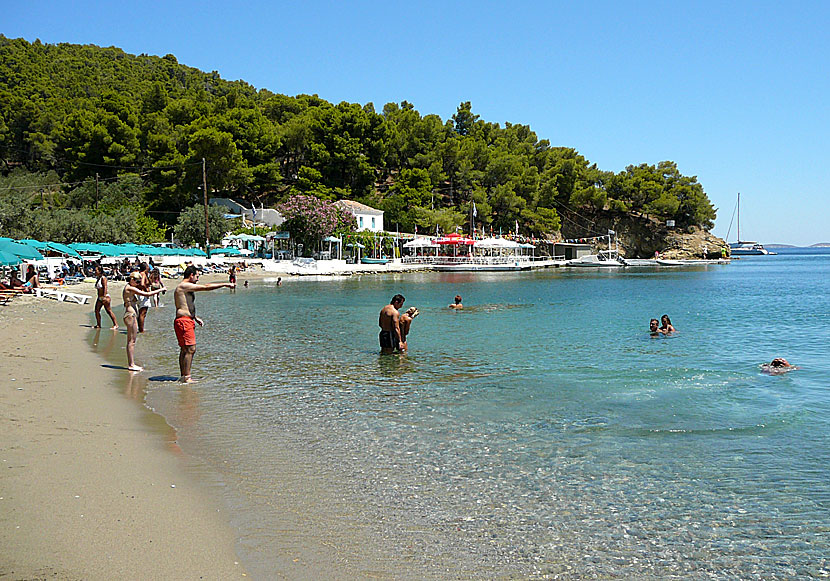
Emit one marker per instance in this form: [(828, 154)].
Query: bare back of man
[(389, 322)]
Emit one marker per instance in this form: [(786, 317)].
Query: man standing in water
[(186, 319), (390, 326)]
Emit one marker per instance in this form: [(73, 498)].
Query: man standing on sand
[(390, 326), (186, 319)]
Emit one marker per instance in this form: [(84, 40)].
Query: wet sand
[(89, 486)]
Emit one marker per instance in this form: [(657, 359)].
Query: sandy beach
[(91, 486)]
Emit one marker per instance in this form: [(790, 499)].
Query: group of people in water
[(664, 327), (394, 326), (661, 327)]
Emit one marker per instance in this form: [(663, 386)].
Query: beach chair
[(61, 295), (7, 295)]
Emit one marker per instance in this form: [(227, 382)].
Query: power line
[(57, 160)]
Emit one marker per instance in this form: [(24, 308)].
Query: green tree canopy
[(190, 229), (82, 110)]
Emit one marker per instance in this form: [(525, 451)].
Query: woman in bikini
[(32, 279), (406, 323), (130, 295), (156, 284), (666, 327), (104, 300)]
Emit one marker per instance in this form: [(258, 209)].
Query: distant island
[(818, 245)]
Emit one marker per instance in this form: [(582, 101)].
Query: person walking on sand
[(406, 322), (457, 304), (104, 299), (145, 302), (130, 294), (389, 321), (186, 319)]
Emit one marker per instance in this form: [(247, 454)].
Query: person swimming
[(457, 304), (777, 366), (666, 326), (654, 328)]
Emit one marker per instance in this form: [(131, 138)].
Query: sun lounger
[(6, 295), (61, 295)]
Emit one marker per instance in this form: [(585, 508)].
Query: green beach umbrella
[(63, 249), (37, 244), (24, 251), (8, 259), (228, 251)]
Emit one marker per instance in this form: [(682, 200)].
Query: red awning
[(455, 239)]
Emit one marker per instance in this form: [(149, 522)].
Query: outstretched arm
[(144, 293), (208, 287)]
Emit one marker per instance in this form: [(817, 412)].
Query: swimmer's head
[(653, 324), (457, 299), (413, 312), (779, 362)]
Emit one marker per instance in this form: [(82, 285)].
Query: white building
[(267, 216), (367, 218)]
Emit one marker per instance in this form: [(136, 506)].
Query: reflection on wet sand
[(108, 344)]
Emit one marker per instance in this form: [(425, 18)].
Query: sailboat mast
[(739, 217)]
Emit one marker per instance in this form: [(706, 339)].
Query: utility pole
[(96, 190), (207, 227)]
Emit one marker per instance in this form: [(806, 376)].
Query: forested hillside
[(69, 112)]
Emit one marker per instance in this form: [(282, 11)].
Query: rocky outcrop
[(641, 237), (695, 243)]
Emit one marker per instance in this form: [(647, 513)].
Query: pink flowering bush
[(311, 219)]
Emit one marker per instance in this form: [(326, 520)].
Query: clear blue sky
[(736, 93)]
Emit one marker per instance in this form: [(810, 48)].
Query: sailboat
[(744, 247)]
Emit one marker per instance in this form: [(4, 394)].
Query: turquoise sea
[(539, 433)]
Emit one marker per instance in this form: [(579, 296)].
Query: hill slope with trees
[(71, 113)]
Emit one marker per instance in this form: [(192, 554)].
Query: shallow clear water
[(540, 431)]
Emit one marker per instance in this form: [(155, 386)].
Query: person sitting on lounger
[(15, 282), (32, 279)]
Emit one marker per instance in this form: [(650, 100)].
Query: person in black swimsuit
[(389, 322)]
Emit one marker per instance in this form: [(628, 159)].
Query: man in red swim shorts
[(185, 328), (186, 319)]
